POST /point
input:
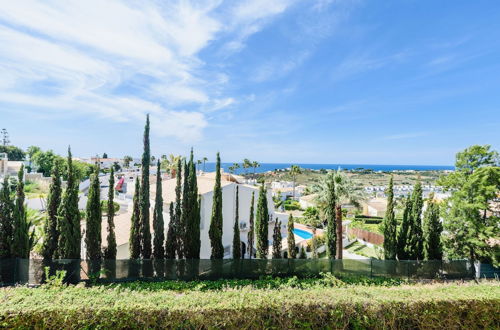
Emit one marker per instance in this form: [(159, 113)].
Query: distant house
[(375, 207), (9, 167), (308, 201)]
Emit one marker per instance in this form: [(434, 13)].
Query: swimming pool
[(302, 233)]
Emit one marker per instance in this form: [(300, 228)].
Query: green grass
[(436, 306), (363, 250)]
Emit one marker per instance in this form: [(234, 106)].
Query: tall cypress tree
[(193, 219), (6, 219), (302, 254), (185, 211), (70, 236), (178, 211), (251, 230), (433, 249), (144, 196), (216, 221), (158, 225), (171, 243), (94, 218), (22, 240), (390, 225), (404, 231), (292, 251), (331, 223), (314, 246), (415, 248), (110, 251), (135, 226), (262, 224), (51, 235), (277, 240), (236, 230)]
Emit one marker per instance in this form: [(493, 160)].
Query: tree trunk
[(338, 219)]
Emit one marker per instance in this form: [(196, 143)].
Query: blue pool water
[(302, 233)]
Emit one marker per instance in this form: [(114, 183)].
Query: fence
[(25, 271), (367, 236)]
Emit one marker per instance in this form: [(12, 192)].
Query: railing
[(25, 271)]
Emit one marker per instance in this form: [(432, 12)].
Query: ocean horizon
[(266, 167)]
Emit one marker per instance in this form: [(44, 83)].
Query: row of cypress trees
[(416, 239)]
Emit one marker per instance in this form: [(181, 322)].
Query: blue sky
[(313, 81)]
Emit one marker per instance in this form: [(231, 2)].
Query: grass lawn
[(363, 250), (440, 306)]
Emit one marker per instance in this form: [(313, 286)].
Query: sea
[(266, 167)]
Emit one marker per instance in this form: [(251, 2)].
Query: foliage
[(179, 229), (127, 160), (6, 219), (158, 227), (302, 254), (135, 226), (236, 229), (110, 207), (192, 209), (403, 231), (390, 225), (144, 196), (215, 231), (471, 232), (277, 239), (294, 171), (51, 233), (54, 281), (13, 153), (105, 205), (433, 228), (291, 205), (261, 224), (93, 219), (414, 246), (311, 217), (251, 229), (170, 244), (68, 216), (23, 237), (330, 208), (292, 250)]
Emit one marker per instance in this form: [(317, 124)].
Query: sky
[(305, 81)]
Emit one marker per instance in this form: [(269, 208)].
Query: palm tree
[(231, 169), (346, 192), (246, 164), (255, 164), (294, 171), (198, 163), (205, 159), (235, 167)]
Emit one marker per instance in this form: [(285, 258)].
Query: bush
[(440, 306), (291, 205), (104, 206)]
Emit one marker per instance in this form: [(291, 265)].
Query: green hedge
[(443, 306)]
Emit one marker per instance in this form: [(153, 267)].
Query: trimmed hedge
[(438, 306)]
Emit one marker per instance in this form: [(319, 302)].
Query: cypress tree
[(193, 241), (302, 254), (170, 244), (314, 245), (277, 240), (144, 199), (331, 223), (22, 240), (185, 211), (251, 231), (292, 251), (433, 249), (70, 236), (216, 221), (158, 225), (51, 235), (110, 251), (94, 218), (261, 224), (178, 211), (236, 230), (403, 231), (135, 226), (390, 226), (415, 247), (6, 219)]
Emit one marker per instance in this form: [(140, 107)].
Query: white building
[(8, 167)]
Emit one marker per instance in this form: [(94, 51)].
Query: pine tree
[(331, 223), (170, 244), (22, 240), (433, 228), (261, 224), (135, 226), (415, 247), (110, 251), (179, 234), (251, 230), (51, 235), (70, 236), (94, 218), (302, 254), (277, 240), (193, 219), (158, 225), (216, 221), (404, 231), (292, 251), (236, 230), (144, 196), (6, 219), (390, 226)]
